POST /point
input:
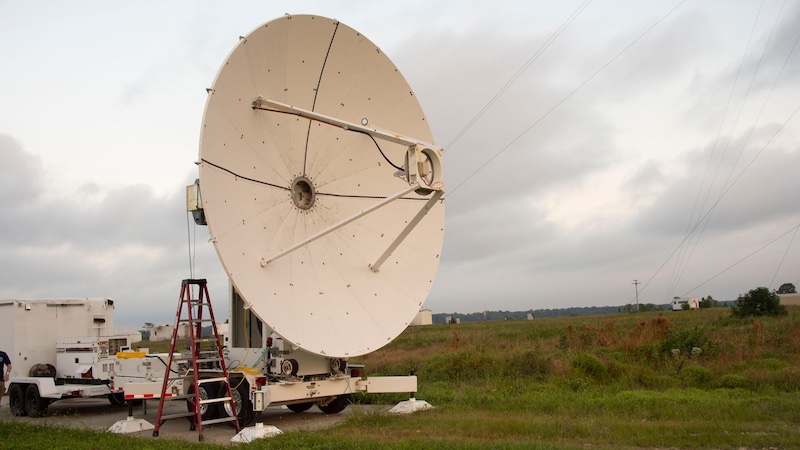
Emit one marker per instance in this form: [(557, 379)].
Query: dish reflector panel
[(271, 179)]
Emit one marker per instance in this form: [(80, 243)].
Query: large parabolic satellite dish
[(305, 128)]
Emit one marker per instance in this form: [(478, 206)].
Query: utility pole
[(636, 283)]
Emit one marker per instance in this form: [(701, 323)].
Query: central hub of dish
[(303, 193)]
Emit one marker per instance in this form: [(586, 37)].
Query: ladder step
[(176, 416), (211, 380), (215, 400), (213, 421)]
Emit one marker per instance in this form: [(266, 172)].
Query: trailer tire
[(35, 405), (208, 411), (240, 391), (336, 405), (116, 398), (300, 407), (16, 400)]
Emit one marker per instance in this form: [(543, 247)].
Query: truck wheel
[(240, 392), (35, 405), (336, 405), (208, 411), (300, 407), (16, 400), (116, 398)]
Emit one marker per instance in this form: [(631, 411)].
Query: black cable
[(242, 177), (189, 239), (162, 362), (377, 197), (316, 92), (379, 148)]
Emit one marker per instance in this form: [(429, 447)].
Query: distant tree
[(647, 307), (709, 302), (146, 331), (759, 302), (787, 288)]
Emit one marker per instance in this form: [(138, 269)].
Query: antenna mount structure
[(328, 243)]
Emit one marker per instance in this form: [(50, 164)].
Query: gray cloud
[(127, 243), (596, 194), (20, 174)]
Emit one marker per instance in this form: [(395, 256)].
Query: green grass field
[(687, 379)]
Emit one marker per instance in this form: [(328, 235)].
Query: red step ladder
[(204, 360)]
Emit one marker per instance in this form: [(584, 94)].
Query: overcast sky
[(584, 175)]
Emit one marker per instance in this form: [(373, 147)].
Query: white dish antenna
[(330, 245)]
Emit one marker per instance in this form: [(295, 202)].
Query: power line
[(738, 262), (747, 139), (684, 257), (519, 73), (513, 141), (722, 195), (783, 258)]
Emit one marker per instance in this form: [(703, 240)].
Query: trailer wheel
[(35, 405), (240, 392), (16, 400), (335, 405), (208, 411), (300, 407), (116, 398)]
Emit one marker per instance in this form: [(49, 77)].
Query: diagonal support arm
[(337, 225), (407, 230)]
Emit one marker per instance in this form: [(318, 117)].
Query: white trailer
[(59, 348), (679, 304)]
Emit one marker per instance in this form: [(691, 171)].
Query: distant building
[(424, 317), (530, 316), (164, 332), (790, 299)]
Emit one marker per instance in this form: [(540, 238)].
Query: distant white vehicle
[(691, 303)]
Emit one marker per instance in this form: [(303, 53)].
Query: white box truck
[(59, 348)]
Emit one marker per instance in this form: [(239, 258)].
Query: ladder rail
[(194, 311), (221, 357)]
